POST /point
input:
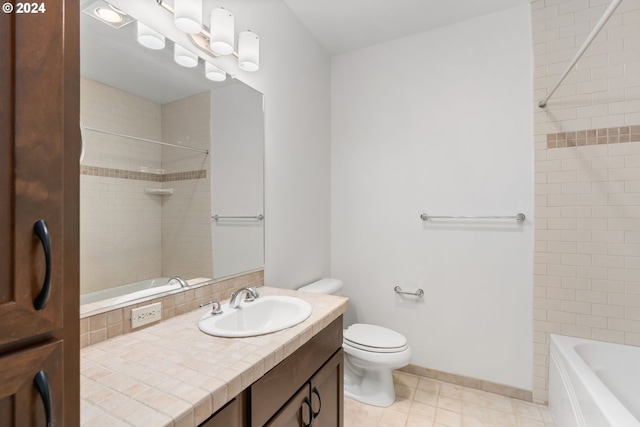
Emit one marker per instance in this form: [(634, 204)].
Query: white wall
[(439, 122), (294, 76)]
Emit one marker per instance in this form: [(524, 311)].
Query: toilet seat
[(375, 339)]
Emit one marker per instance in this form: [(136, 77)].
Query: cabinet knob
[(42, 232), (41, 382)]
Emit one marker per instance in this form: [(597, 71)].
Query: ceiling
[(344, 25)]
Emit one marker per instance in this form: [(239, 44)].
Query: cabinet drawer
[(21, 402)]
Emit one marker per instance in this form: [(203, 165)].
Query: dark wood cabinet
[(319, 402), (295, 413), (232, 414), (22, 402), (306, 387), (39, 197), (327, 393)]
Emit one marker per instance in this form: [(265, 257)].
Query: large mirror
[(172, 170)]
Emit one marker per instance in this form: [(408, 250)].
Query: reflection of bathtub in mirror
[(130, 292)]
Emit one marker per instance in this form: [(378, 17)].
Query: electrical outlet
[(144, 315)]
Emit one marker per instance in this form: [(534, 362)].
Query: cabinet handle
[(40, 229), (308, 403), (41, 382), (317, 393)]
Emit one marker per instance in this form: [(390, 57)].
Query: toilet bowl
[(371, 353)]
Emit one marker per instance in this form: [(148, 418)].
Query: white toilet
[(371, 353)]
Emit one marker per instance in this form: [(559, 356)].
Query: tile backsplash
[(95, 328)]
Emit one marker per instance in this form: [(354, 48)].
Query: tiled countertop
[(171, 374)]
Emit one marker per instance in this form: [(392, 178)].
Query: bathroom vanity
[(304, 389), (173, 374)]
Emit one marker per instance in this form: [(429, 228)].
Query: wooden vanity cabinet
[(319, 402), (39, 199), (305, 389), (234, 413)]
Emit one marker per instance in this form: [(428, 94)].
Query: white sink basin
[(266, 314)]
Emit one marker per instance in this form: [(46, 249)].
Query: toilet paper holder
[(417, 293)]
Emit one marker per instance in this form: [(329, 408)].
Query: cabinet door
[(232, 414), (327, 393), (25, 401), (34, 83), (295, 413)]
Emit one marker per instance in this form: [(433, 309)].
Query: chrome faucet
[(180, 280), (251, 294)]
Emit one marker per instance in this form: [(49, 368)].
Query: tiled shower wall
[(120, 226), (123, 239), (186, 214), (587, 178)]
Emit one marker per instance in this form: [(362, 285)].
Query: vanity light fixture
[(248, 51), (103, 11), (187, 15), (214, 73), (222, 31), (148, 37), (219, 39), (184, 57)]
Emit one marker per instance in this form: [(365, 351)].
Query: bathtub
[(131, 291), (593, 384)]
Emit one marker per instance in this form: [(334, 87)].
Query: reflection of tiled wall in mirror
[(111, 323), (122, 228)]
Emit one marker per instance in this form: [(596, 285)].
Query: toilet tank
[(324, 286)]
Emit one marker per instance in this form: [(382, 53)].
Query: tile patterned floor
[(423, 402)]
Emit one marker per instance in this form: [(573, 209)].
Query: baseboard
[(505, 390)]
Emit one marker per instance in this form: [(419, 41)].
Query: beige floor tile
[(429, 385), (449, 403), (391, 418), (401, 405), (448, 418), (451, 390), (424, 402), (413, 421), (369, 411), (404, 391), (403, 378), (362, 422), (527, 422), (502, 418), (422, 411), (426, 397), (526, 410), (471, 421)]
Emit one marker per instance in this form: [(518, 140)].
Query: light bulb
[(184, 57), (214, 73), (149, 37)]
